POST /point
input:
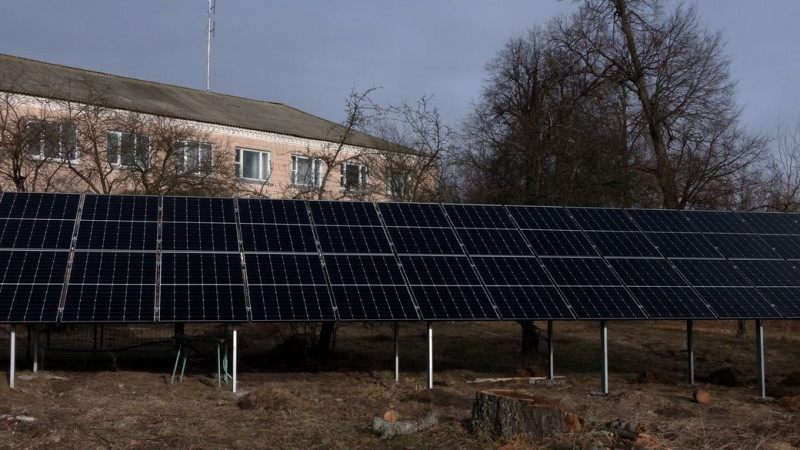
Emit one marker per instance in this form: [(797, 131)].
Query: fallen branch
[(388, 430), (495, 380)]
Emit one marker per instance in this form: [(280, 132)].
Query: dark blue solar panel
[(29, 303), (530, 303), (769, 272), (358, 239), (110, 303), (504, 271), (413, 215), (479, 216), (202, 303), (363, 269), (273, 211), (344, 213), (622, 243), (580, 271), (605, 219), (274, 303), (788, 246), (374, 302), (542, 218), (601, 302), (741, 245), (195, 209), (113, 268), (278, 238), (39, 234), (671, 303), (710, 272), (28, 267), (661, 220), (434, 241), (737, 303), (493, 242), (439, 270), (647, 272), (717, 222), (120, 207), (284, 269), (785, 299), (201, 268), (559, 243), (454, 303), (193, 236), (25, 205), (104, 235), (771, 223), (683, 245)]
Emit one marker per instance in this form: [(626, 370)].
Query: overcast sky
[(309, 54)]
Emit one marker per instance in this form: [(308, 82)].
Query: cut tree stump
[(506, 414)]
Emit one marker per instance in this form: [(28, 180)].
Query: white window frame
[(391, 175), (264, 170), (119, 135), (315, 165), (41, 143), (184, 149), (363, 177)]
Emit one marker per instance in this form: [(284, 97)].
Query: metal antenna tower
[(210, 32)]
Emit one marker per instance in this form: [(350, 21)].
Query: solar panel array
[(106, 258)]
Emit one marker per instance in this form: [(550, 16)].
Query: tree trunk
[(741, 328), (530, 337), (325, 338), (506, 414)]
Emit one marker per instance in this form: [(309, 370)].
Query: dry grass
[(300, 403)]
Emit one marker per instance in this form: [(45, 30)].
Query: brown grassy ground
[(284, 402)]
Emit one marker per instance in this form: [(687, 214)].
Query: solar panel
[(444, 284), (771, 223), (559, 243), (366, 278), (114, 267), (201, 267), (36, 233), (25, 205), (717, 221), (542, 218), (788, 245), (683, 245), (285, 274), (738, 303), (601, 302), (741, 245), (671, 220), (602, 219), (30, 285), (493, 241), (785, 299), (671, 302), (622, 244), (479, 216)]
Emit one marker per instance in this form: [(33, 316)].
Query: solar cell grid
[(771, 223), (29, 303), (493, 242), (110, 303), (354, 239), (290, 303), (683, 245), (671, 302), (647, 272), (661, 220), (717, 221), (413, 215), (284, 269), (117, 235), (363, 269), (33, 267), (737, 303), (120, 207), (504, 271), (439, 270), (434, 241), (559, 243), (479, 216), (788, 246), (785, 299), (199, 236), (374, 302), (454, 303), (769, 272), (530, 303), (602, 219), (542, 218), (201, 268), (622, 244), (113, 268), (36, 234), (278, 238), (25, 205), (344, 213), (741, 245), (196, 209), (264, 211), (710, 272), (202, 303), (601, 302)]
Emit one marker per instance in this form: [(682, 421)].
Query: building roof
[(41, 79)]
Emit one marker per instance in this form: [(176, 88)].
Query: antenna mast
[(210, 31)]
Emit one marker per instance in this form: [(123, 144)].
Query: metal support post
[(762, 387), (35, 348), (550, 371), (604, 351), (233, 361), (430, 355), (396, 353), (12, 356), (690, 351)]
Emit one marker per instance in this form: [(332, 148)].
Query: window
[(253, 164), (193, 157), (52, 140), (305, 171), (128, 149), (398, 183), (354, 177)]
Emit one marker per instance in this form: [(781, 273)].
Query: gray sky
[(309, 54)]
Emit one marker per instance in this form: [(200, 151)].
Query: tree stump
[(506, 414)]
